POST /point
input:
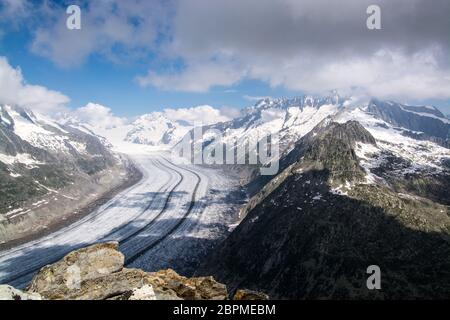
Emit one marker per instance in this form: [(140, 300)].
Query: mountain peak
[(333, 98), (157, 129)]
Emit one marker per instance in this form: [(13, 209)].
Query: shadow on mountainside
[(306, 242)]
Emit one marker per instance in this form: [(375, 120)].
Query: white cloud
[(231, 112), (311, 46), (117, 30), (269, 115), (197, 77), (15, 91), (385, 73), (255, 98), (98, 116), (200, 114), (16, 9), (305, 45)]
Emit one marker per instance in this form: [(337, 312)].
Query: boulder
[(69, 277), (97, 273), (201, 288)]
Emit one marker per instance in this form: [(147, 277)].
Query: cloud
[(98, 116), (14, 10), (312, 46), (196, 77), (388, 74), (268, 115), (255, 98), (15, 91), (117, 30), (200, 114), (231, 112)]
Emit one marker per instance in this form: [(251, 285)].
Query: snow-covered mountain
[(412, 139), (40, 139), (287, 120), (156, 129), (42, 161), (368, 184), (159, 129), (423, 122), (291, 119)]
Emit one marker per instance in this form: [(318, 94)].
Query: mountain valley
[(359, 184)]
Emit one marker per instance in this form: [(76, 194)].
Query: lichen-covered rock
[(10, 293), (69, 277), (144, 293), (101, 288), (245, 294), (202, 288), (97, 273)]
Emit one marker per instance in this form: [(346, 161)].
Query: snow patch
[(22, 158), (424, 155)]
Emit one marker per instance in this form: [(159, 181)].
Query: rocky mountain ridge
[(424, 122), (286, 120)]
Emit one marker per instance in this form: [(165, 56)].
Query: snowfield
[(168, 219), (423, 155)]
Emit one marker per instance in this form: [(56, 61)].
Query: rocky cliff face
[(97, 273), (314, 229), (425, 122)]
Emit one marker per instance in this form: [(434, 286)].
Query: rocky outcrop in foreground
[(97, 273)]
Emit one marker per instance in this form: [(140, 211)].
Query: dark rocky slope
[(306, 235)]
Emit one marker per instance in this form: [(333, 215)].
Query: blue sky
[(139, 56)]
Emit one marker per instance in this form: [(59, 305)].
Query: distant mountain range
[(290, 118), (293, 118)]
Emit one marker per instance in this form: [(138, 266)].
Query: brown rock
[(80, 265), (202, 288), (97, 273), (245, 294), (103, 287), (63, 278)]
